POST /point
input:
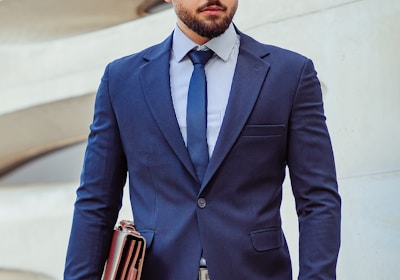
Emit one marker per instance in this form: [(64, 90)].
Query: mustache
[(212, 3)]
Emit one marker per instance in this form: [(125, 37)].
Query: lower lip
[(212, 11)]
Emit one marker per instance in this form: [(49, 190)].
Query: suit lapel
[(250, 74), (156, 88)]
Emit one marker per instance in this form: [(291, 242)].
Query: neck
[(196, 38)]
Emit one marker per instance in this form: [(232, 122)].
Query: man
[(264, 113)]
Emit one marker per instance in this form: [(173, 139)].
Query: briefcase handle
[(126, 225)]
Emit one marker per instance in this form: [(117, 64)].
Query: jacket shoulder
[(273, 52), (136, 60)]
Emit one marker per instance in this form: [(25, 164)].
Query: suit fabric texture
[(274, 122)]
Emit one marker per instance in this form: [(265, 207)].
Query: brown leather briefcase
[(125, 260)]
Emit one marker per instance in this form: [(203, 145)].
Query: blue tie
[(196, 114)]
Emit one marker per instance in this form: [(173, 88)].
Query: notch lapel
[(249, 77), (155, 83)]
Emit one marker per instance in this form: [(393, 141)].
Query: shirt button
[(202, 202)]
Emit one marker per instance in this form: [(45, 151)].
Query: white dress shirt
[(219, 73)]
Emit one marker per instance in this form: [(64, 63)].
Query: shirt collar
[(221, 45)]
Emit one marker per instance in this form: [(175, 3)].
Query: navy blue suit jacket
[(274, 119)]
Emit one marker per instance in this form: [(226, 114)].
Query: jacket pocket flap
[(267, 239), (148, 235)]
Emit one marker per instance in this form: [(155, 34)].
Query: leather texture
[(126, 256)]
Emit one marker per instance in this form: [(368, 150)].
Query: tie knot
[(200, 57)]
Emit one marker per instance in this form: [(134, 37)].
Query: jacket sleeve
[(99, 195), (313, 178)]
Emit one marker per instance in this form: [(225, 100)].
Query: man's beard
[(215, 27)]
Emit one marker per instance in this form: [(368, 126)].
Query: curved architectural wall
[(354, 45)]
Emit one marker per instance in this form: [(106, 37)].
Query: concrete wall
[(354, 45)]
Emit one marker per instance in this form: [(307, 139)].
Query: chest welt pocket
[(263, 130), (267, 239)]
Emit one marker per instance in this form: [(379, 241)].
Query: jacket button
[(202, 202)]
